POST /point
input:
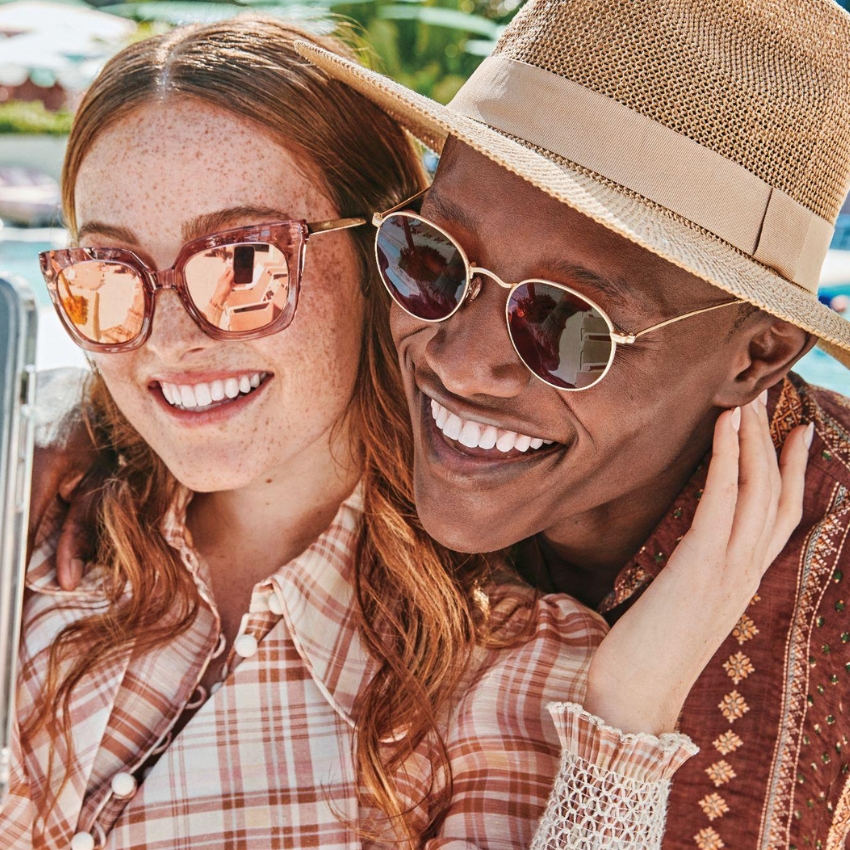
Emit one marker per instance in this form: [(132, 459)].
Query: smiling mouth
[(485, 441), (200, 397)]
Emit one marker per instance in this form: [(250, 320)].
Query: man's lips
[(485, 442)]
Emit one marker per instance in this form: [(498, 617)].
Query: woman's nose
[(174, 333), (471, 353)]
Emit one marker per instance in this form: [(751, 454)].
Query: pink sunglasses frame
[(289, 237)]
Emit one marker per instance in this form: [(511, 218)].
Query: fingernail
[(735, 419), (76, 570), (763, 398), (810, 434)]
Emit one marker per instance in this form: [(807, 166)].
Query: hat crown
[(765, 84)]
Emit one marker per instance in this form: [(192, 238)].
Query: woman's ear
[(769, 348)]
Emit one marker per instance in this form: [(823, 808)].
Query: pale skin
[(269, 476), (271, 471)]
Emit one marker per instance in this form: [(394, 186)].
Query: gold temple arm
[(378, 217), (337, 224), (624, 338)]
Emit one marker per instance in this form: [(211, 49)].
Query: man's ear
[(768, 349)]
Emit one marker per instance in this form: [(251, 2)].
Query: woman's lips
[(478, 440), (209, 402)]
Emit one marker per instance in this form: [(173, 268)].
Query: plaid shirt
[(266, 760)]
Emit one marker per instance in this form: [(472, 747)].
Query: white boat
[(28, 197)]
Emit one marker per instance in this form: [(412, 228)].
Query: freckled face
[(153, 174)]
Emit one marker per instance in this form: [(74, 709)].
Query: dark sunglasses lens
[(103, 300), (422, 269), (239, 288), (559, 336)]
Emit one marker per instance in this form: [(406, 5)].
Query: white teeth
[(470, 434), (187, 396), (201, 396), (506, 441), (488, 438), (453, 427), (477, 435)]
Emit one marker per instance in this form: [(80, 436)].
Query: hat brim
[(652, 227)]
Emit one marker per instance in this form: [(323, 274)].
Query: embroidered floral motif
[(708, 839), (738, 667), (755, 599), (733, 706), (714, 806), (745, 630), (720, 773), (727, 743)]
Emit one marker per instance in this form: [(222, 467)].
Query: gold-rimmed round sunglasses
[(562, 336)]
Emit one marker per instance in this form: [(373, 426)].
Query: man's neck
[(584, 555)]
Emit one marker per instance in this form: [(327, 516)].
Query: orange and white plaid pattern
[(266, 761)]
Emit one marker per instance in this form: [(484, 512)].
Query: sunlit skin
[(270, 469), (625, 448)]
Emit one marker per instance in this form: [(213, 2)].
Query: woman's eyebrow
[(448, 210), (214, 222), (122, 234)]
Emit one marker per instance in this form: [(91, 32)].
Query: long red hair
[(420, 611)]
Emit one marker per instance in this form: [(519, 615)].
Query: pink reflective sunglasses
[(238, 284)]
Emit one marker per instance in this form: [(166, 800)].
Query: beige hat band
[(644, 156)]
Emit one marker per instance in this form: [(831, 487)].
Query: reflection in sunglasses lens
[(239, 288), (558, 335), (103, 300), (422, 269)]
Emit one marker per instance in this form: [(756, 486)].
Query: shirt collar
[(787, 408)]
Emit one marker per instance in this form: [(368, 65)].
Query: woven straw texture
[(765, 83)]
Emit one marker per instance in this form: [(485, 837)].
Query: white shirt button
[(215, 687), (82, 841), (245, 645), (123, 785), (275, 605)]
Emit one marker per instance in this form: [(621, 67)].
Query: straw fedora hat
[(714, 133)]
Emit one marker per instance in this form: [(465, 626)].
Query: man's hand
[(66, 466), (644, 669)]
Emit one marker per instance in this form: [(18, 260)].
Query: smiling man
[(623, 239)]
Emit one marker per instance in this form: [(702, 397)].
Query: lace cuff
[(611, 790)]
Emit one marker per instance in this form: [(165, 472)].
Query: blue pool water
[(19, 254)]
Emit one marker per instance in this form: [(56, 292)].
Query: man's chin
[(469, 532)]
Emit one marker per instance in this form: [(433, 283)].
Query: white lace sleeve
[(611, 790)]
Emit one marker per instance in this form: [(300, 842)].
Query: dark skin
[(623, 449)]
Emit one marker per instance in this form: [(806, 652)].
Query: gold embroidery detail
[(738, 667), (755, 599), (733, 706), (708, 839), (714, 806), (727, 743), (720, 773), (744, 630)]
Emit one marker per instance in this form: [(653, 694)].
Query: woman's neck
[(245, 535)]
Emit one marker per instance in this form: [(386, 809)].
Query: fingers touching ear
[(768, 349)]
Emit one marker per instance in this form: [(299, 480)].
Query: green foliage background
[(426, 45)]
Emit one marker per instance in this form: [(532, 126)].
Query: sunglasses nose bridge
[(476, 281), (164, 279)]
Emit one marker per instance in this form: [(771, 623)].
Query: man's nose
[(471, 353)]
